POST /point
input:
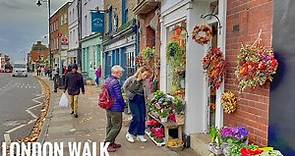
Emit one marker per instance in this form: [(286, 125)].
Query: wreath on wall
[(213, 65), (202, 34), (256, 65), (229, 102)]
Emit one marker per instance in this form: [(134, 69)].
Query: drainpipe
[(79, 55), (137, 37)]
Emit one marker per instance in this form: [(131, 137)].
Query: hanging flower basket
[(202, 34), (256, 65), (229, 102), (213, 65)]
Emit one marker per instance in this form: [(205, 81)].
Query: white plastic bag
[(64, 101)]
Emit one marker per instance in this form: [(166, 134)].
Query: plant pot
[(226, 151), (164, 119), (214, 149), (179, 119)]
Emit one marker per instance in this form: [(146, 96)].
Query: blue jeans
[(138, 111), (97, 80)]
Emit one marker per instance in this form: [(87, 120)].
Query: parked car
[(19, 70)]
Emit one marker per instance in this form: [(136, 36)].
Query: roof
[(57, 10)]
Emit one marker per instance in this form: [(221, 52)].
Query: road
[(19, 106)]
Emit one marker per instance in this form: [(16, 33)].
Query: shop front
[(181, 61), (91, 55), (121, 50)]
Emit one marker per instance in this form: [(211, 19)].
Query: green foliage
[(176, 60), (179, 105), (164, 113), (149, 53)]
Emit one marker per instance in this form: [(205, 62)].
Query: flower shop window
[(176, 58)]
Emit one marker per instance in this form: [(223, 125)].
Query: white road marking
[(33, 115), (16, 128), (35, 106), (21, 126), (7, 139)]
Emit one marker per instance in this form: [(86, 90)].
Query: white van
[(19, 70)]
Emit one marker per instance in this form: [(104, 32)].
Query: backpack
[(104, 100)]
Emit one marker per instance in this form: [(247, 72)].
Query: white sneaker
[(129, 138), (141, 138)]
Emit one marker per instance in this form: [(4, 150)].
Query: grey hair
[(117, 68)]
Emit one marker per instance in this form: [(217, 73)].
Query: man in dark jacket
[(74, 82), (114, 115)]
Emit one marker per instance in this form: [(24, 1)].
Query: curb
[(44, 129)]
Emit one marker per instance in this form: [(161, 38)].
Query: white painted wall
[(174, 11), (87, 6), (73, 25)]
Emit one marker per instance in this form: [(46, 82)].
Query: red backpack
[(104, 100)]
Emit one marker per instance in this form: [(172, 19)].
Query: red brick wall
[(36, 54), (149, 38), (244, 20)]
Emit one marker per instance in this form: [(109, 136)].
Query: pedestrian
[(38, 71), (135, 91), (46, 71), (55, 73), (114, 114), (98, 75), (74, 83), (42, 71)]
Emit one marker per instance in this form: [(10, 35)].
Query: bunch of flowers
[(229, 102), (202, 34), (256, 65), (158, 133), (213, 65), (251, 152), (238, 134), (152, 123)]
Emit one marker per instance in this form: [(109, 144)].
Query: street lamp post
[(39, 3)]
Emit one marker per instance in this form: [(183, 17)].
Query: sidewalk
[(90, 127)]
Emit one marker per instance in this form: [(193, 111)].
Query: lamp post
[(39, 3)]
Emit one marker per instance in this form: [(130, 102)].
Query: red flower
[(249, 152)]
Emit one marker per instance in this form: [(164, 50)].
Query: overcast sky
[(22, 23)]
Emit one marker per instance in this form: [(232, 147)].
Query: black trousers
[(55, 82)]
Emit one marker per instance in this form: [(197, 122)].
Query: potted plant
[(179, 110), (149, 53), (164, 115), (215, 141)]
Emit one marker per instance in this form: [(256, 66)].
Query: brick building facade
[(148, 12), (59, 30), (39, 56), (244, 20)]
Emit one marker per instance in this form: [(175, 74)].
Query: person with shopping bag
[(74, 83)]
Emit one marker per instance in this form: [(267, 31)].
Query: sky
[(22, 23)]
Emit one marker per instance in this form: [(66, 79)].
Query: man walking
[(114, 114), (74, 82)]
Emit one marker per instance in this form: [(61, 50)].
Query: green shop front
[(91, 55)]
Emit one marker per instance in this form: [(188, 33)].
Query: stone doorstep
[(199, 143)]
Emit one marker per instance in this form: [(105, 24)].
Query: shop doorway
[(211, 104)]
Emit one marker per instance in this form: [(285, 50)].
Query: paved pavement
[(19, 105), (90, 127)]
